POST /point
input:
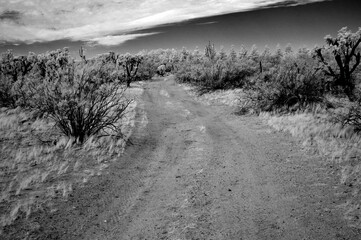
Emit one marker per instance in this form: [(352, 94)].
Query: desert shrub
[(352, 116), (7, 99), (236, 75), (291, 86), (273, 81), (184, 73), (210, 75), (347, 112), (83, 98), (149, 65), (213, 70), (20, 75), (82, 104), (146, 70)]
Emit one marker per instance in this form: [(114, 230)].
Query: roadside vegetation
[(315, 94), (62, 121)]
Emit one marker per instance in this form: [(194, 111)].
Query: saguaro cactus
[(210, 51), (81, 54)]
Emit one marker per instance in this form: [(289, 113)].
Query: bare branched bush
[(83, 104)]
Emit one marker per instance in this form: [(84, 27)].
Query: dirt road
[(200, 172)]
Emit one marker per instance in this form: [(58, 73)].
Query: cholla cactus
[(130, 64), (112, 57), (15, 66), (346, 51)]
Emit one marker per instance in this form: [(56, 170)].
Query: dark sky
[(302, 25)]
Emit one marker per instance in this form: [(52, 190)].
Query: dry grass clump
[(229, 97)]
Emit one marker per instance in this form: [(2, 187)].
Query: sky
[(130, 26)]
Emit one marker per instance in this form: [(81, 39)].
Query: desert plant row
[(85, 97)]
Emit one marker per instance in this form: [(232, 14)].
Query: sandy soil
[(196, 171)]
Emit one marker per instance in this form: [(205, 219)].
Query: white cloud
[(116, 40), (106, 22), (206, 23)]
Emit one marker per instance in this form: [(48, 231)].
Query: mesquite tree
[(130, 65), (346, 52)]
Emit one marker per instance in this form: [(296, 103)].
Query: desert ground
[(191, 170)]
